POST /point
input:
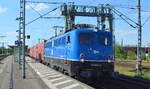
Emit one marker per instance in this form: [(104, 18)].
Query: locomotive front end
[(95, 54)]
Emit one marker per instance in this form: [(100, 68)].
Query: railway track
[(135, 81), (124, 82), (132, 64)]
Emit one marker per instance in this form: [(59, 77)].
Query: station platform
[(38, 76), (10, 76), (54, 79)]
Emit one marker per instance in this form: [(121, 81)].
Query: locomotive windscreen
[(85, 38)]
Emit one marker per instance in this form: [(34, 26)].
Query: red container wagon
[(34, 52), (37, 51), (40, 51), (31, 52)]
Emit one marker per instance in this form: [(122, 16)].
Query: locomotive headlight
[(109, 61), (82, 60), (82, 55)]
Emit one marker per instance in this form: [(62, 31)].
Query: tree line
[(123, 54), (4, 50)]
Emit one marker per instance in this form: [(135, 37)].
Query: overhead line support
[(139, 60)]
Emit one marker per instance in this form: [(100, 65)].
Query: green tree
[(119, 52), (5, 50), (143, 56), (131, 55)]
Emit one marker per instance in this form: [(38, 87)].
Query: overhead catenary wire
[(130, 7), (42, 15), (125, 18), (45, 2), (117, 11), (133, 8), (53, 17), (34, 10), (146, 21), (126, 7)]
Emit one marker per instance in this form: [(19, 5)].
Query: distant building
[(145, 50), (16, 52), (14, 47)]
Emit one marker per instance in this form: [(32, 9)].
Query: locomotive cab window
[(85, 38), (68, 40)]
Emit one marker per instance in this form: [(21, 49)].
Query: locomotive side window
[(85, 39), (104, 40), (50, 44), (68, 39)]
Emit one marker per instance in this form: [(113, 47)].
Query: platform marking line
[(35, 70), (47, 75), (71, 86), (39, 72), (63, 82), (52, 80), (44, 70), (57, 75)]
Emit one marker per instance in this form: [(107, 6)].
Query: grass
[(146, 75), (131, 72)]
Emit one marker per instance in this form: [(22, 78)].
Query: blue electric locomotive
[(81, 52)]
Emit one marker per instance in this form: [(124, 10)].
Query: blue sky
[(9, 11)]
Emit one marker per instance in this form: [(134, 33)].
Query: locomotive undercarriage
[(83, 70)]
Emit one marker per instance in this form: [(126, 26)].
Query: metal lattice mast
[(22, 35), (139, 60), (19, 31)]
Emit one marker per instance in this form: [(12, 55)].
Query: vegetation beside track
[(122, 54), (131, 72)]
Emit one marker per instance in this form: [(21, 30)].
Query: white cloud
[(41, 6), (38, 7), (2, 10), (11, 33), (28, 6)]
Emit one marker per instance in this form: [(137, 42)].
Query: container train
[(82, 52)]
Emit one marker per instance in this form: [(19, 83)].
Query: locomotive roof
[(79, 31)]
